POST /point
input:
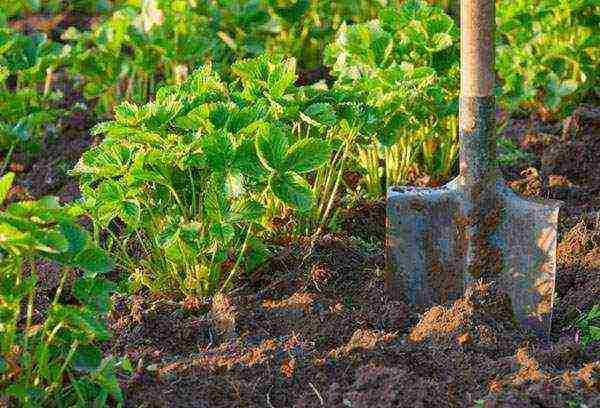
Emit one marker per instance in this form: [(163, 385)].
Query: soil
[(314, 326)]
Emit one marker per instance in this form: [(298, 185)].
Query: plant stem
[(8, 157), (26, 351), (238, 261), (58, 379), (342, 161), (48, 82)]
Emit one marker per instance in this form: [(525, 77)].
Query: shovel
[(439, 240)]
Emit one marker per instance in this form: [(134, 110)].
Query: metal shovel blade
[(428, 249)]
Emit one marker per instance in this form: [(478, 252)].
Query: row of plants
[(547, 53), (405, 65), (198, 175), (23, 8), (27, 96), (391, 113), (52, 357), (149, 43)]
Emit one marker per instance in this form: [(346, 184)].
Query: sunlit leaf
[(94, 260), (307, 155), (271, 147), (87, 358), (292, 189), (5, 184)]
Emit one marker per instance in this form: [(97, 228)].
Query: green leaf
[(319, 114), (552, 82), (7, 314), (271, 147), (281, 77), (5, 184), (110, 191), (567, 87), (307, 155), (3, 365), (94, 292), (126, 113), (131, 212), (25, 392), (552, 102), (126, 365), (248, 210), (85, 324), (94, 260), (75, 236), (292, 189), (52, 241), (247, 160), (17, 390), (218, 150), (108, 380), (595, 333), (441, 41), (223, 232), (87, 359)]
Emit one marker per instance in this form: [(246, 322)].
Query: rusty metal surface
[(422, 245), (480, 206)]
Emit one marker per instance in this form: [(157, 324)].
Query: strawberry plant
[(153, 42), (589, 326), (157, 42), (27, 64), (101, 58), (303, 28), (20, 8), (22, 119), (196, 174), (547, 53), (49, 356), (404, 67)]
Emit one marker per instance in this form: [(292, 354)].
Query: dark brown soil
[(324, 333), (311, 76), (53, 25)]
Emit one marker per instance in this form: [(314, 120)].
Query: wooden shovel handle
[(477, 48)]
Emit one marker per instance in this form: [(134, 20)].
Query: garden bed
[(314, 326)]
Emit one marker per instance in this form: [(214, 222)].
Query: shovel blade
[(527, 237), (427, 249), (424, 251)]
